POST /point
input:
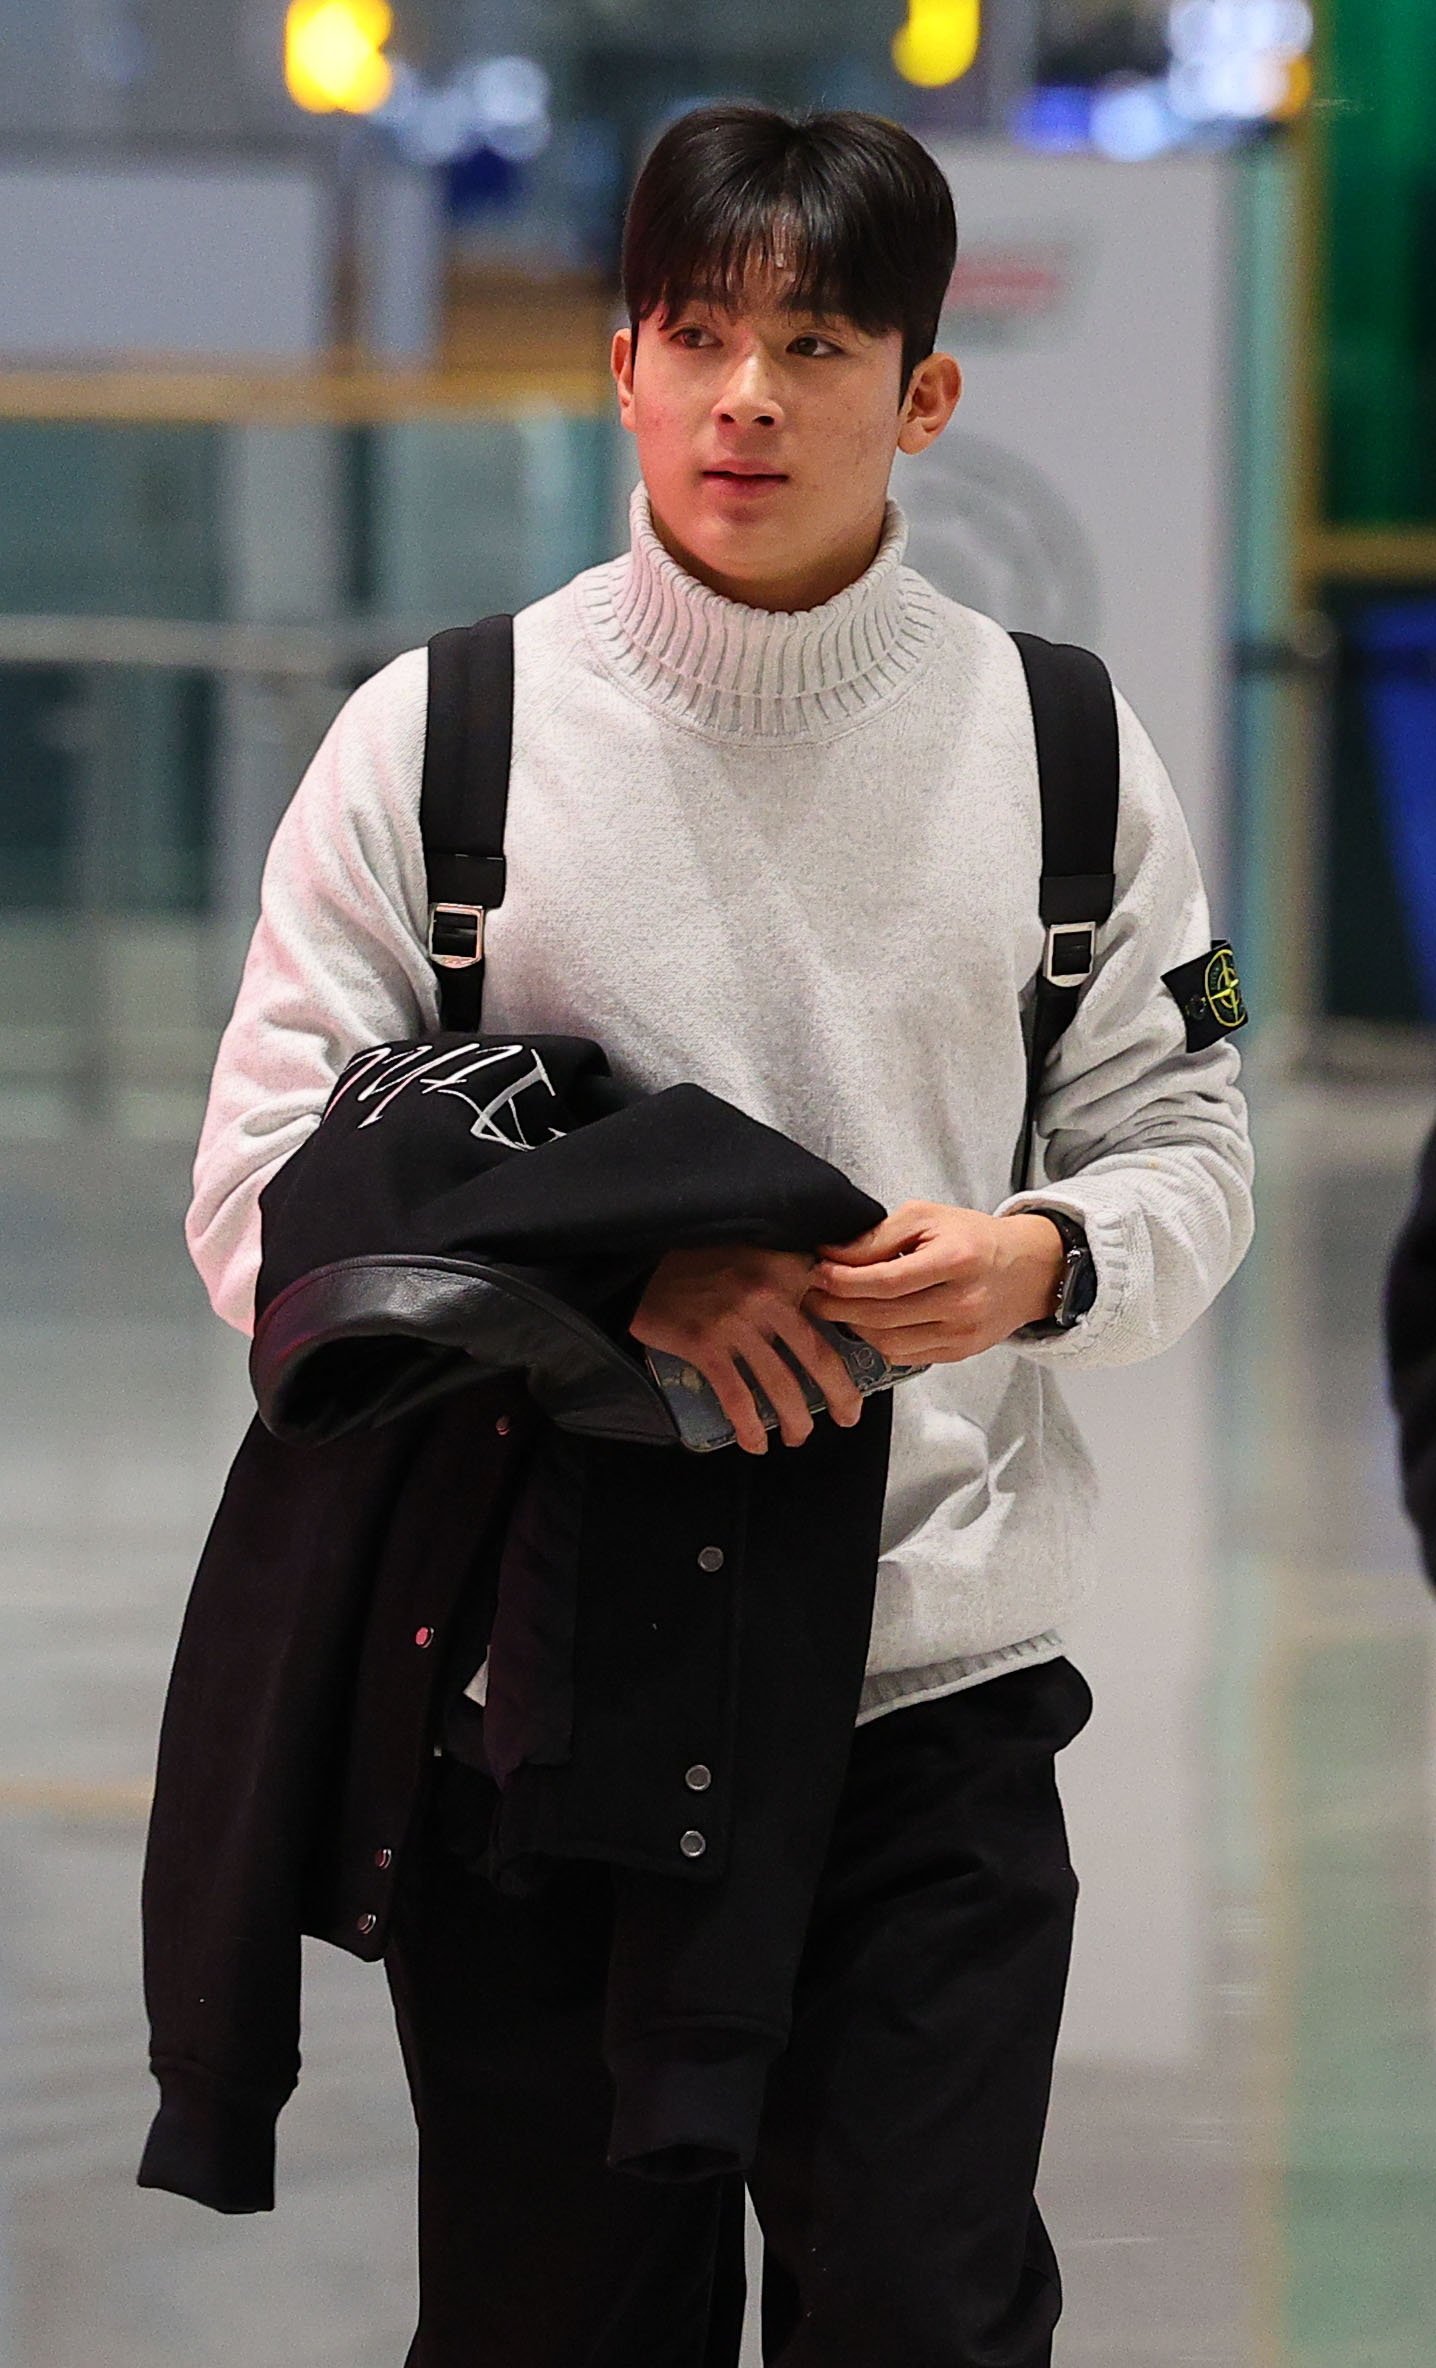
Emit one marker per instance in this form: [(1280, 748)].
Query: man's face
[(766, 437)]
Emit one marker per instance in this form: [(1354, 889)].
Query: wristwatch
[(1078, 1287)]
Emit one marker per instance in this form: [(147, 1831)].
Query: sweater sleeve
[(336, 963), (1146, 1143)]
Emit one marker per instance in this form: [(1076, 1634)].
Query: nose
[(749, 398)]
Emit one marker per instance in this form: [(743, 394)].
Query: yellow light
[(1296, 98), (939, 42), (334, 55)]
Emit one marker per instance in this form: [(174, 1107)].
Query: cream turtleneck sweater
[(794, 857)]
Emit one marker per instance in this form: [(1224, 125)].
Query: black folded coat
[(460, 1456), (415, 1236)]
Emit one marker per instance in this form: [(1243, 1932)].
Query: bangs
[(777, 252)]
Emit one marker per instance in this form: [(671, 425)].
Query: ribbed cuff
[(688, 2103), (211, 2143), (1092, 1340)]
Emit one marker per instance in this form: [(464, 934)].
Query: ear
[(933, 395), (620, 362)]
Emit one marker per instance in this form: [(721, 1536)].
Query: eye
[(690, 335), (808, 340)]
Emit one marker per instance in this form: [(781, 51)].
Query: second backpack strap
[(1074, 715), (468, 743)]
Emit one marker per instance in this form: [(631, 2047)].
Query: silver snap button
[(503, 1426), (367, 1923), (710, 1558), (383, 1858), (698, 1778), (692, 1844)]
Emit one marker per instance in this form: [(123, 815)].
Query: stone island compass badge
[(1208, 992)]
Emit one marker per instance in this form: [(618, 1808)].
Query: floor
[(1241, 2159)]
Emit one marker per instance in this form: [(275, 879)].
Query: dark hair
[(859, 212)]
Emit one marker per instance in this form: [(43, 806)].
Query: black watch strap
[(1078, 1287)]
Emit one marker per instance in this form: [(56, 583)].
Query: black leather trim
[(362, 1340)]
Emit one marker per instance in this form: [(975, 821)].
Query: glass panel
[(182, 611)]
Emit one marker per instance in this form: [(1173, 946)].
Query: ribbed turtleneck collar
[(756, 673)]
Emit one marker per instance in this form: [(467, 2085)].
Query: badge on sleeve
[(1208, 994)]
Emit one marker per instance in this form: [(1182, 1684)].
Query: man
[(1409, 1318), (774, 826)]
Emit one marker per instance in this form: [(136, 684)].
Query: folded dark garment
[(476, 1204)]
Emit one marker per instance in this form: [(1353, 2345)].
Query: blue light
[(499, 104), (1399, 637), (1055, 117), (1132, 122)]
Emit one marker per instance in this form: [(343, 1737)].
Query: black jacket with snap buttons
[(461, 1450)]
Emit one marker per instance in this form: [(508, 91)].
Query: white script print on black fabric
[(388, 1070)]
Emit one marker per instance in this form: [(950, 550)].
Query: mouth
[(746, 479)]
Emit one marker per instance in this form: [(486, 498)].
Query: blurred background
[(304, 313)]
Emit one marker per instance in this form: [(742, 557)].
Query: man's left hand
[(931, 1284)]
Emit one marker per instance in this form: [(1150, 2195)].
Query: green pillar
[(1378, 121)]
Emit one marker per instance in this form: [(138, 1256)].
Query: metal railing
[(285, 652), (280, 687)]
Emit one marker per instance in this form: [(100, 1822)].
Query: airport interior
[(304, 357)]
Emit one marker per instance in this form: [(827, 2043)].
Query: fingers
[(782, 1388), (736, 1399), (896, 1278), (929, 1344), (732, 1372), (940, 1303), (725, 1312), (818, 1357), (895, 1235), (757, 1360), (920, 1245)]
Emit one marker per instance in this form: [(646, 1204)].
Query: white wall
[(230, 261)]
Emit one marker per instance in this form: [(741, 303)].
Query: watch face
[(1079, 1286), (1071, 1270)]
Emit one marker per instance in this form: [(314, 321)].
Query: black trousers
[(902, 2124)]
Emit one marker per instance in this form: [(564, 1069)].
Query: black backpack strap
[(1074, 714), (468, 740)]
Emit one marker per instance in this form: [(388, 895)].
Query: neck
[(736, 670), (804, 583)]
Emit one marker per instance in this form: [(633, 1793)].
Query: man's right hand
[(713, 1306)]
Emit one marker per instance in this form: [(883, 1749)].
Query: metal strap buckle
[(456, 935), (1070, 953)]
